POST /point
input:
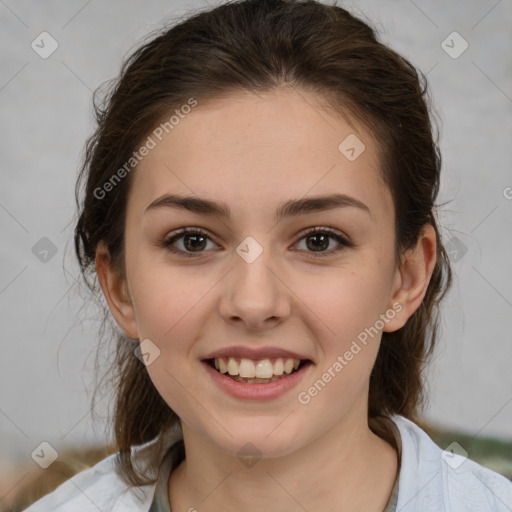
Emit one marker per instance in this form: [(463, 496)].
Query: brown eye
[(192, 241), (318, 241)]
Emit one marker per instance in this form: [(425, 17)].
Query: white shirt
[(430, 480)]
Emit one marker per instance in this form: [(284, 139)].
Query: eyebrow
[(289, 208)]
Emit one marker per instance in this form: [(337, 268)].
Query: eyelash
[(344, 243)]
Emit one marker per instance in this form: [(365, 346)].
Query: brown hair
[(259, 45)]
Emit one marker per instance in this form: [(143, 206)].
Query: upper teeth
[(263, 369)]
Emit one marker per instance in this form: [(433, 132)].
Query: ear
[(412, 279), (115, 290)]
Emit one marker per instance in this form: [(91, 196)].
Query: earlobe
[(115, 290), (413, 278)]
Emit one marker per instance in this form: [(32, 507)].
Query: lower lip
[(256, 391)]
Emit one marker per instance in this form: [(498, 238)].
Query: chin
[(265, 439)]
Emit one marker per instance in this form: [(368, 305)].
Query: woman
[(259, 210)]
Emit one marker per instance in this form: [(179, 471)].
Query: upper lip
[(255, 353)]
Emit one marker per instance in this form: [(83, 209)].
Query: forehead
[(253, 151)]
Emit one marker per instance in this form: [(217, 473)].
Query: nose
[(254, 295)]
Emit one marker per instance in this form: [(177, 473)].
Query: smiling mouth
[(263, 371)]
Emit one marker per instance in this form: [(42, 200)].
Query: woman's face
[(257, 279)]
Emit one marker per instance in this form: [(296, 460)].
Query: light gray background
[(48, 348)]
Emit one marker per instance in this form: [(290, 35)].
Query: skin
[(254, 152)]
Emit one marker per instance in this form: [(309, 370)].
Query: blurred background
[(55, 53)]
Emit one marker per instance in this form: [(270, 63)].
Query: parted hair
[(257, 46)]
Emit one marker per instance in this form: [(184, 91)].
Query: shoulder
[(102, 488), (96, 488), (433, 479)]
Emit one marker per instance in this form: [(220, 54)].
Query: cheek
[(343, 316), (344, 304), (167, 308), (166, 302)]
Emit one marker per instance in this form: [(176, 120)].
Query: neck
[(348, 468)]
